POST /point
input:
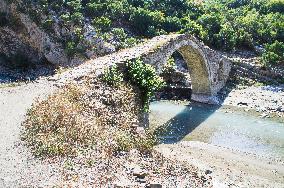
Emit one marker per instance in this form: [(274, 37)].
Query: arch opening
[(176, 74), (190, 60)]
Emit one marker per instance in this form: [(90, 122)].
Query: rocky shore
[(254, 87)]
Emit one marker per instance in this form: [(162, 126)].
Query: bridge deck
[(95, 67)]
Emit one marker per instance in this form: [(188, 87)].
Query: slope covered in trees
[(222, 24)]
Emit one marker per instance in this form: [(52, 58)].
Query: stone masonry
[(209, 69)]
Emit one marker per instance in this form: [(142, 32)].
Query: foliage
[(145, 77), (103, 23), (127, 141), (147, 22), (53, 127), (274, 53), (119, 38), (222, 24), (91, 115), (71, 48), (113, 76)]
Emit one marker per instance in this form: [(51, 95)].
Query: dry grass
[(86, 116)]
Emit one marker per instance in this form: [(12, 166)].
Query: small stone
[(155, 185), (142, 181), (243, 103), (139, 173), (134, 125), (140, 130), (280, 109), (208, 172), (118, 185), (264, 115)]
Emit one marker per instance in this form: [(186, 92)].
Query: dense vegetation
[(222, 24), (139, 74)]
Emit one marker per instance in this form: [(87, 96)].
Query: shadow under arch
[(182, 124)]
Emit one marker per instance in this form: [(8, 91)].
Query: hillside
[(67, 32)]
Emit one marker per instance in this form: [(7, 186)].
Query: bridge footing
[(207, 99)]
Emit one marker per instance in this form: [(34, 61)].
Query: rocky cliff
[(26, 36)]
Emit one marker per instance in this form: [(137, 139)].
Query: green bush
[(102, 23), (147, 22), (274, 53), (145, 77), (223, 24), (122, 40), (227, 38), (47, 25), (190, 26), (172, 24), (113, 76), (275, 6), (77, 18)]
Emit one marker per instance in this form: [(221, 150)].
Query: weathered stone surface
[(28, 33), (209, 70)]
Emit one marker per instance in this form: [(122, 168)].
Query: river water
[(222, 126)]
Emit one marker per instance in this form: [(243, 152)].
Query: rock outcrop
[(21, 35)]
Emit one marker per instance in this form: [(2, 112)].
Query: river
[(224, 126)]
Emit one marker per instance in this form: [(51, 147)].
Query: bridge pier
[(208, 99)]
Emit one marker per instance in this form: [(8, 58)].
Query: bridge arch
[(198, 68), (208, 69)]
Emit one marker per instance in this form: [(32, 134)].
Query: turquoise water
[(223, 126)]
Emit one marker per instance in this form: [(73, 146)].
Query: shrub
[(275, 6), (172, 24), (94, 9), (77, 18), (47, 25), (53, 127), (227, 37), (274, 53), (102, 23), (121, 39), (113, 76), (125, 141), (191, 27), (145, 21), (211, 26), (145, 77), (72, 47)]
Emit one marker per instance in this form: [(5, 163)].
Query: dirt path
[(17, 166), (228, 168)]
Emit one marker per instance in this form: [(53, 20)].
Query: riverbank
[(236, 148), (253, 86), (228, 168)]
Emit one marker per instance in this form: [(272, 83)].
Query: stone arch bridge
[(209, 70)]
